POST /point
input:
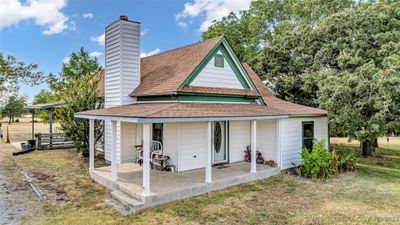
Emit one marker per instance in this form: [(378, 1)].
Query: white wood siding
[(128, 142), (212, 76), (122, 72), (239, 138), (266, 138), (193, 146), (291, 138), (171, 141)]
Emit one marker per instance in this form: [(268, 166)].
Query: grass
[(370, 195), (22, 130)]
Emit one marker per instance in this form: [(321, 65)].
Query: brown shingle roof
[(166, 71), (272, 101), (209, 90), (185, 110)]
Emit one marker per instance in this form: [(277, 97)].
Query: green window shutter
[(219, 60), (308, 134)]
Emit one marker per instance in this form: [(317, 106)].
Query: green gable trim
[(206, 60), (225, 55), (219, 60), (196, 98)]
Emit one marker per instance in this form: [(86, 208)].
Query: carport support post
[(114, 151), (33, 124), (209, 160), (50, 121), (91, 144), (146, 158), (253, 145)]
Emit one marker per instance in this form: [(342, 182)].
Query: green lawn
[(370, 195)]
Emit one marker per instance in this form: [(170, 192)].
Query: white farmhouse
[(201, 107)]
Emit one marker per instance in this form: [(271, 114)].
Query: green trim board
[(243, 70), (239, 73), (302, 132), (219, 51), (196, 98)]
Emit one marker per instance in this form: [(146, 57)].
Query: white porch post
[(114, 151), (253, 146), (146, 158), (209, 160), (91, 144)]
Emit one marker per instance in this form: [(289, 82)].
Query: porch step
[(127, 200), (134, 190)]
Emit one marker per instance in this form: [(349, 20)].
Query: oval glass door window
[(217, 137)]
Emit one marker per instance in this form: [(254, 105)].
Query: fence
[(22, 130)]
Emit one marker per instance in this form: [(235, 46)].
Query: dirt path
[(16, 199)]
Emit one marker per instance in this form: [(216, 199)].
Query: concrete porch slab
[(171, 186)]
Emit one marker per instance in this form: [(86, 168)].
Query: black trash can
[(32, 143)]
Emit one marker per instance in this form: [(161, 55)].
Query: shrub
[(346, 161), (321, 163)]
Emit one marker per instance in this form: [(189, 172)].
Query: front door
[(219, 142)]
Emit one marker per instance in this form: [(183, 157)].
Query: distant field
[(382, 142), (22, 130)]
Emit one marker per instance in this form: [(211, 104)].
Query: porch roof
[(184, 112)]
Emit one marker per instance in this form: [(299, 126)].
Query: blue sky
[(46, 32)]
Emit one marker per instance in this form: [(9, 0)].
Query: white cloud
[(143, 32), (88, 15), (144, 54), (101, 39), (66, 60), (95, 54), (210, 11), (45, 13), (182, 24)]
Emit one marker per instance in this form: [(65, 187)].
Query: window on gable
[(219, 60), (308, 134)]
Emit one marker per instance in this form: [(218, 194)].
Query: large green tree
[(14, 107), (81, 96), (12, 72), (77, 87), (362, 90), (304, 48), (79, 65), (266, 20)]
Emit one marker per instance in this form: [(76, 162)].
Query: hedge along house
[(204, 106)]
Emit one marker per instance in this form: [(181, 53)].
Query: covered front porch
[(170, 186), (197, 145)]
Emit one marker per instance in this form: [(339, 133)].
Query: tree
[(13, 71), (46, 96), (265, 36), (363, 104), (363, 94), (304, 48), (79, 65), (81, 96), (14, 107), (77, 87)]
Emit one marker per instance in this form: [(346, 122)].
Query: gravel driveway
[(16, 198)]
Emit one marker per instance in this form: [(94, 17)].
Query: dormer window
[(219, 60)]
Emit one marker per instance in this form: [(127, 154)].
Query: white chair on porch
[(156, 149)]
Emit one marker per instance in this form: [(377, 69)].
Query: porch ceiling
[(183, 112)]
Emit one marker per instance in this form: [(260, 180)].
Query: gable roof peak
[(186, 46)]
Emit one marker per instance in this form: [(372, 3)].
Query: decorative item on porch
[(259, 158), (270, 163), (247, 156)]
